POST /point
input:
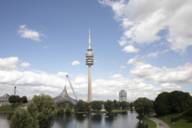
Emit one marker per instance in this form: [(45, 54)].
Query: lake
[(123, 120)]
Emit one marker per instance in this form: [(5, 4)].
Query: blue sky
[(59, 36)]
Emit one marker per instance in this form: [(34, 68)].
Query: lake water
[(126, 120)]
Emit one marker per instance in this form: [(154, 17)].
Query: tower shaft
[(89, 84)]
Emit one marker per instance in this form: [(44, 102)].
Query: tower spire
[(89, 41)]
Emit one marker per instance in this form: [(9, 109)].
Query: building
[(4, 99), (89, 63), (122, 95), (64, 96)]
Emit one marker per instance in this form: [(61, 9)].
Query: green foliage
[(124, 105), (116, 104), (162, 104), (82, 106), (96, 105), (68, 111), (187, 115), (59, 111), (131, 106), (142, 125), (180, 101), (174, 102), (109, 106), (181, 123), (17, 99), (6, 109), (42, 108), (22, 119), (149, 123), (14, 99), (143, 106), (23, 99)]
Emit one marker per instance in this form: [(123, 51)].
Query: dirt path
[(160, 123)]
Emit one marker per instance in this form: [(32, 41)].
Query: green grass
[(118, 111), (179, 124), (149, 122)]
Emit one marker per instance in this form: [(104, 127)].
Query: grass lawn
[(118, 111), (149, 122), (179, 124)]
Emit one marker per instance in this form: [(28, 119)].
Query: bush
[(42, 108), (59, 111), (96, 105), (22, 119), (82, 106), (68, 111), (187, 115), (109, 106), (142, 125)]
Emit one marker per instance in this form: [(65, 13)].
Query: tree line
[(41, 110)]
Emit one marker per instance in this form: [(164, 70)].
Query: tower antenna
[(89, 41), (15, 90)]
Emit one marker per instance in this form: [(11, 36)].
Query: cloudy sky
[(142, 46)]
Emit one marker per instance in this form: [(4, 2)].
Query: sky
[(143, 47)]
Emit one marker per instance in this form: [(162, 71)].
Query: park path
[(159, 123)]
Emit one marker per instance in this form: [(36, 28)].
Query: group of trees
[(165, 103), (96, 106), (13, 99), (173, 102), (39, 114)]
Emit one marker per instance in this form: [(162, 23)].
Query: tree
[(42, 108), (14, 99), (174, 102), (96, 105), (23, 99), (17, 99), (124, 105), (180, 101), (162, 104), (116, 104), (143, 106), (82, 106), (109, 106), (22, 119)]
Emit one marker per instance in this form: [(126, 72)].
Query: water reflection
[(123, 120), (4, 122)]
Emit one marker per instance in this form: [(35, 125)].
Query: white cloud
[(25, 64), (130, 49), (27, 33), (134, 61), (9, 63), (143, 80), (143, 20), (75, 62), (62, 74), (181, 75)]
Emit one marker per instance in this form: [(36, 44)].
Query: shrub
[(22, 119)]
